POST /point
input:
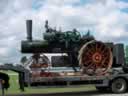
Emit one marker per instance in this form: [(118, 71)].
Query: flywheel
[(95, 58)]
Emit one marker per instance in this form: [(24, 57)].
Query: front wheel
[(119, 85)]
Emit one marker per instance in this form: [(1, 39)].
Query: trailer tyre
[(119, 85)]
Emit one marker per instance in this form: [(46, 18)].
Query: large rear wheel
[(95, 58)]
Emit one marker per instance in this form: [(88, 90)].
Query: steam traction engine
[(95, 58)]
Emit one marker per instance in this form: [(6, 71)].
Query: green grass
[(14, 87), (8, 71)]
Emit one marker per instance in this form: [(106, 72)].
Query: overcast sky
[(107, 20)]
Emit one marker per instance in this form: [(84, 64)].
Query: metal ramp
[(23, 73)]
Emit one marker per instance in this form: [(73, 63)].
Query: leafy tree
[(23, 60), (126, 53)]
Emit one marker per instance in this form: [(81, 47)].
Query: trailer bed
[(79, 78)]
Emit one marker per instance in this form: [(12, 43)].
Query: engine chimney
[(29, 29)]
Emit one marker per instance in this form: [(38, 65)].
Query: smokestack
[(29, 29)]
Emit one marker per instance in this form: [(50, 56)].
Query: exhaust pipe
[(29, 29)]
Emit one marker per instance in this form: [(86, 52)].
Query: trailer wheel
[(119, 85), (5, 79)]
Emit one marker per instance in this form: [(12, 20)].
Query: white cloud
[(101, 16), (3, 51)]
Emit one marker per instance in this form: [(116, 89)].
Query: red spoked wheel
[(95, 58)]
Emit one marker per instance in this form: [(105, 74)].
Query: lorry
[(69, 58)]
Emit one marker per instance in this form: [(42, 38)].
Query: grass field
[(14, 87)]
